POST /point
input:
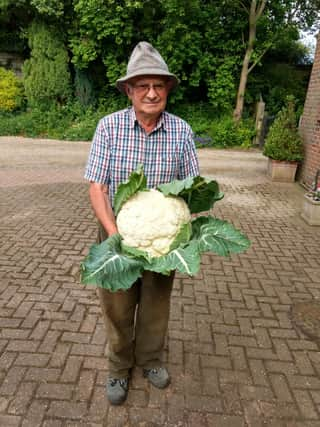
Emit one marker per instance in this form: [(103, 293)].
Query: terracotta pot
[(283, 171)]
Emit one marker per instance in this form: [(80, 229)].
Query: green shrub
[(83, 88), (47, 78), (75, 122), (70, 122), (283, 141), (225, 133), (11, 91)]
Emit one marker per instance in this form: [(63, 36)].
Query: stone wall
[(11, 61), (310, 124)]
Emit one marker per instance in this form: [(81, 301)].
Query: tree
[(255, 11), (46, 74), (288, 15), (99, 36)]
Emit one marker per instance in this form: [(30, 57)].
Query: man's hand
[(102, 207)]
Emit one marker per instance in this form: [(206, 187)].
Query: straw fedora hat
[(145, 60)]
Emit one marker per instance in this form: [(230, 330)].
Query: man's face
[(148, 95)]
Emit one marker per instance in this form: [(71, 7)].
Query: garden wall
[(310, 124), (11, 61)]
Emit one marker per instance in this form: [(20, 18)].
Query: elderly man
[(137, 320)]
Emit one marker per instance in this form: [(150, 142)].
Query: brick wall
[(310, 124)]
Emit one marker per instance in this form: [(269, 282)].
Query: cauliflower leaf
[(216, 235), (158, 234)]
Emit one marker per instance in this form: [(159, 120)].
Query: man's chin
[(155, 108)]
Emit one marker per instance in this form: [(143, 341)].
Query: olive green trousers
[(136, 321)]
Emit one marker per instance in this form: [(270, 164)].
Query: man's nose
[(152, 92)]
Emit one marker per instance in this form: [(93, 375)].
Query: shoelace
[(155, 370), (122, 382)]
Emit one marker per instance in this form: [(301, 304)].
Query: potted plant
[(283, 145), (311, 203)]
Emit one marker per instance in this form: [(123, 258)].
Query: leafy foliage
[(108, 267), (114, 266), (47, 77), (95, 38), (11, 91), (283, 141), (137, 182), (199, 193)]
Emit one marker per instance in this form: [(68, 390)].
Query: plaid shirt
[(120, 144)]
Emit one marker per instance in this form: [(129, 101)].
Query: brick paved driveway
[(234, 355)]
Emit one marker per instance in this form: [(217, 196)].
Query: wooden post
[(259, 122)]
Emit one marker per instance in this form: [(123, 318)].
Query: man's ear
[(128, 90)]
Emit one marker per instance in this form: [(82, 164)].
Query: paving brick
[(234, 377), (49, 342), (67, 410), (233, 354), (304, 382), (60, 355), (255, 393), (35, 414), (307, 407), (52, 423), (71, 369), (23, 345), (259, 373), (158, 399), (10, 420), (12, 380), (98, 405), (148, 417), (225, 421), (117, 417), (55, 391), (210, 382), (85, 385), (231, 399), (29, 359), (239, 361), (7, 359), (216, 362), (42, 374)]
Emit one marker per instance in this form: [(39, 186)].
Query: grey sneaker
[(117, 390), (159, 377)]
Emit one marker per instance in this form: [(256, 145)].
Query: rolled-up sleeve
[(97, 168)]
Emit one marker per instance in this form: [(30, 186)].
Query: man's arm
[(102, 207)]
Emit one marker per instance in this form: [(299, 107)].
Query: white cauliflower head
[(150, 221)]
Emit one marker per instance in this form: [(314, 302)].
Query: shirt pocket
[(169, 166)]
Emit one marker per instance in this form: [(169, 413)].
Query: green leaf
[(184, 259), (174, 188), (182, 237), (107, 267), (216, 235), (198, 192), (136, 182), (114, 266), (134, 252)]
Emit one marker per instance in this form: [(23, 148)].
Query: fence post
[(260, 111)]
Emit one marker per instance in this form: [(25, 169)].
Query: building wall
[(310, 124)]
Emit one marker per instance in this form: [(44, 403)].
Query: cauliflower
[(150, 221)]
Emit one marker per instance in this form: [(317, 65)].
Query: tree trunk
[(255, 12), (237, 114)]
